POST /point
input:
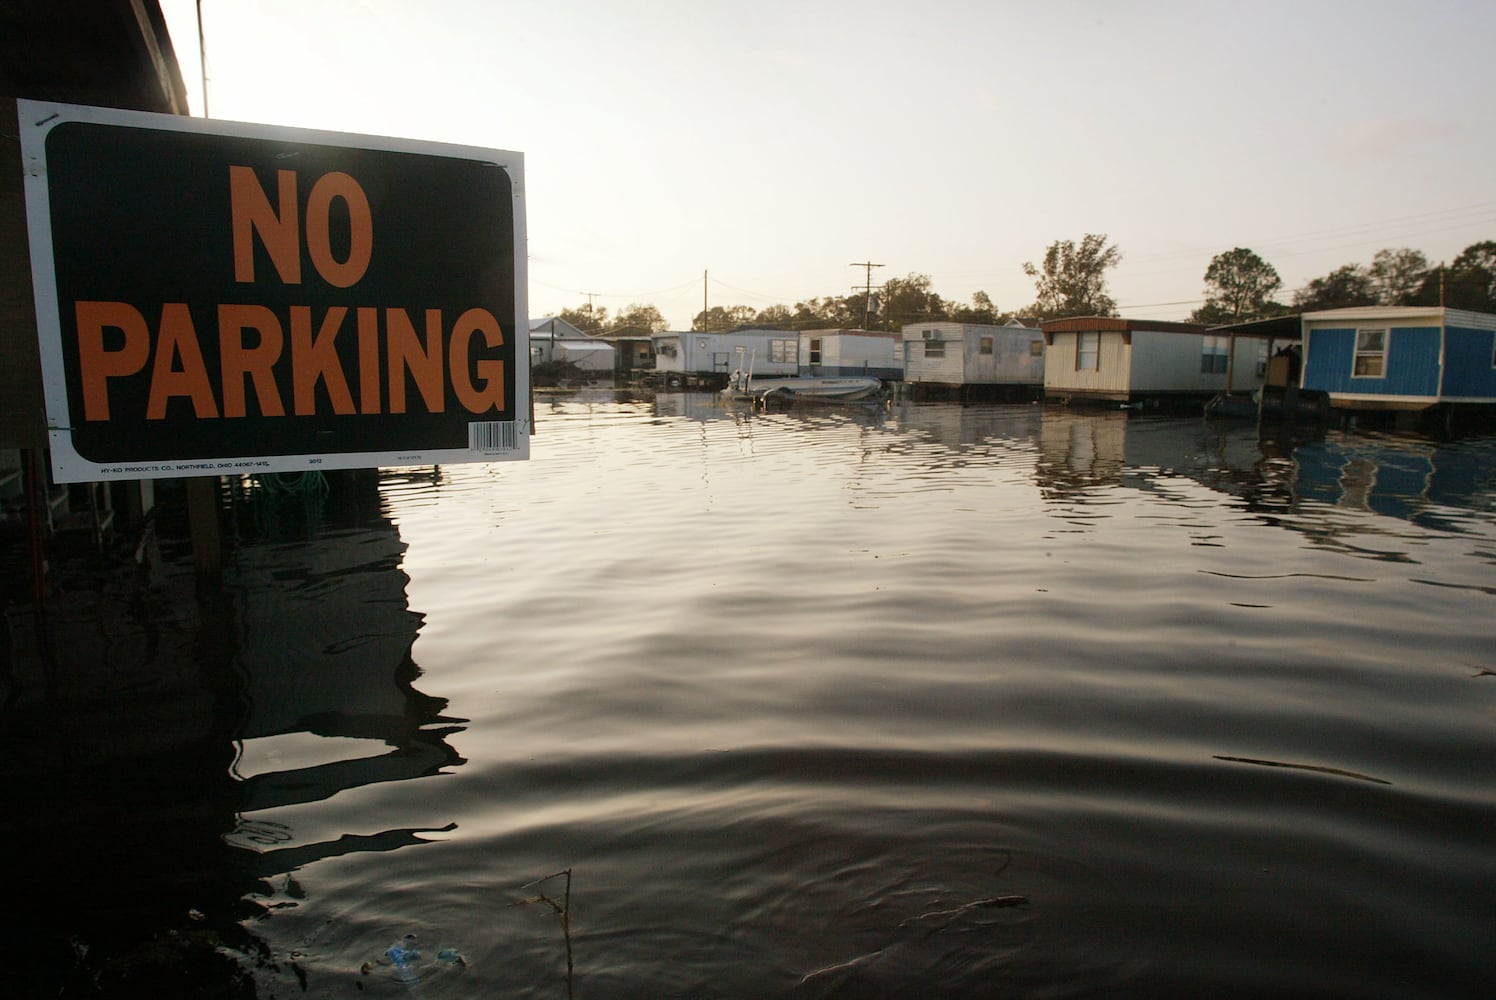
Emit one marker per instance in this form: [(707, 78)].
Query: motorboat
[(742, 385)]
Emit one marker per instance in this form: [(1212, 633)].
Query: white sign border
[(38, 118)]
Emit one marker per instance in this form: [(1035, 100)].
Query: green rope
[(296, 484)]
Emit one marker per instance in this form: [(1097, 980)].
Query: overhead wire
[(1382, 231)]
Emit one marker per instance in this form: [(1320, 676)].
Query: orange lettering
[(251, 213), (368, 360), (491, 373), (360, 229), (178, 339), (406, 355), (255, 362), (96, 364), (316, 359)]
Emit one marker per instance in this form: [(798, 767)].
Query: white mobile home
[(695, 356), (873, 353), (1122, 360), (553, 339), (956, 356)]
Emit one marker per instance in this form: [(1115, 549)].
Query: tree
[(1351, 285), (586, 319), (907, 300), (981, 310), (837, 312), (1469, 282), (638, 319), (720, 318), (1397, 276), (775, 317), (1239, 285), (1072, 280)]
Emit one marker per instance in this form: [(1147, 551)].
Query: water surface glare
[(910, 700)]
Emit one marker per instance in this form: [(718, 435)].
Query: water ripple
[(921, 700)]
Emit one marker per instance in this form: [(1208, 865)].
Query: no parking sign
[(218, 297)]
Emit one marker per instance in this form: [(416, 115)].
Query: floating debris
[(942, 918), (409, 964), (1339, 772)]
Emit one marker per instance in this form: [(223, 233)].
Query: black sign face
[(215, 297)]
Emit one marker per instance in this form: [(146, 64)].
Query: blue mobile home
[(1400, 357)]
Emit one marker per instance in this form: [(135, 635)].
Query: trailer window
[(1371, 354), (815, 350), (784, 351), (1214, 354), (984, 346), (1088, 351), (934, 348)]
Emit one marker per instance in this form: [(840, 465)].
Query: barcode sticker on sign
[(492, 437)]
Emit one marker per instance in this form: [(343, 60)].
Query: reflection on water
[(830, 700), (324, 651), (188, 728)]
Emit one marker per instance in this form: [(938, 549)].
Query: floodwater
[(837, 701)]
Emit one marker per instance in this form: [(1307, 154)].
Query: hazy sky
[(771, 144)]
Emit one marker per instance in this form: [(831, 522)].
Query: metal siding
[(945, 370), (1414, 358), (1059, 361), (948, 368), (1469, 363), (1169, 362), (1110, 376), (980, 368), (1244, 374), (700, 352), (1012, 361), (665, 362), (1115, 373), (1411, 367), (857, 354), (1328, 357)]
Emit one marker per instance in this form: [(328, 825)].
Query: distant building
[(553, 339), (959, 356), (874, 353), (1104, 358), (633, 352), (698, 357)]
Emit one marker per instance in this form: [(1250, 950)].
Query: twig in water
[(563, 909)]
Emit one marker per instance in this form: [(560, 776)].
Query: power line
[(617, 295), (1480, 209)]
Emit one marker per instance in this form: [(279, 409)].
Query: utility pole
[(202, 56), (703, 300), (867, 289)]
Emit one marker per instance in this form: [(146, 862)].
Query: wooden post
[(1230, 360), (34, 483), (202, 525)]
